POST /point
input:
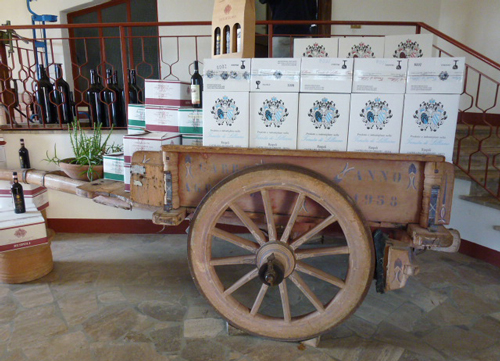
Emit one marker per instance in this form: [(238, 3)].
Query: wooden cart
[(283, 280)]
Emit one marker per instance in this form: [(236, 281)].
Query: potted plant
[(88, 153)]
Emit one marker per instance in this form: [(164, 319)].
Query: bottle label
[(195, 94)]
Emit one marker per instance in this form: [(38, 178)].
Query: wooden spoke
[(304, 238), (259, 299), (252, 227), (271, 227), (313, 271), (236, 240), (293, 217), (285, 302), (319, 252), (228, 261), (243, 280), (301, 285)]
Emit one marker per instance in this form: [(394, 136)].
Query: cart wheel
[(278, 282)]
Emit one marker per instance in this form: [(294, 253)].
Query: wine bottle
[(47, 111), (112, 99), (24, 156), (121, 101), (238, 38), (196, 87), (63, 97), (227, 34), (217, 41), (17, 195), (97, 109), (134, 93)]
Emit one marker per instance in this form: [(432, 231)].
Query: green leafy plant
[(88, 149)]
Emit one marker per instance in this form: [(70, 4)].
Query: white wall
[(474, 222)]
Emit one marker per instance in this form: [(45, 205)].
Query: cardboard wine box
[(315, 48), (273, 120), (149, 141), (436, 75), (137, 115), (323, 121), (429, 124), (190, 120), (229, 75), (379, 75), (408, 46), (326, 75), (35, 197), (375, 123), (192, 139), (167, 93), (113, 164), (233, 29), (161, 118), (21, 230), (361, 47), (225, 119), (275, 75)]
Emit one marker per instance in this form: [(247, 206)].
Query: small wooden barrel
[(26, 264)]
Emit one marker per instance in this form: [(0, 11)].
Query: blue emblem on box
[(273, 112), (430, 115), (444, 75), (376, 113), (323, 113), (225, 111)]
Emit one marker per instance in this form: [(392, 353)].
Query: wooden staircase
[(477, 152)]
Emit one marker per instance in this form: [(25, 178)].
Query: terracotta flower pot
[(77, 171)]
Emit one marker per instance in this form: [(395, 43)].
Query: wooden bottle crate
[(228, 16)]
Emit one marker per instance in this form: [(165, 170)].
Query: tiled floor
[(131, 298)]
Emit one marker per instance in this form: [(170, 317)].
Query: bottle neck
[(132, 77), (42, 74), (109, 77), (14, 179), (58, 71), (93, 77), (196, 66)]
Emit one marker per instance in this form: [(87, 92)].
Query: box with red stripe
[(35, 197), (21, 230)]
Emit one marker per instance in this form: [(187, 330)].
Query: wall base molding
[(145, 226)]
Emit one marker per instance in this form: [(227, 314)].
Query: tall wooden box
[(233, 29)]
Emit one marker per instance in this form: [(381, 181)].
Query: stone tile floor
[(131, 298)]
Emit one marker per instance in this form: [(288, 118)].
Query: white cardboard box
[(375, 123), (379, 75), (323, 121), (147, 142), (21, 230), (273, 120), (190, 120), (436, 75), (35, 197), (225, 119), (408, 46), (168, 93), (429, 124), (326, 75), (136, 130), (113, 164), (361, 47), (275, 75), (192, 139), (227, 75), (315, 47), (137, 115), (160, 118)]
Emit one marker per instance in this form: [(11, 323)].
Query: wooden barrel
[(26, 264)]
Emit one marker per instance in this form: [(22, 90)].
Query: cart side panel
[(385, 190)]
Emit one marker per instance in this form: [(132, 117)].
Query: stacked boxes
[(35, 197), (274, 102), (226, 102), (315, 48), (431, 105)]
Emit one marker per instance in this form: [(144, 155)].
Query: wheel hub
[(276, 262)]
